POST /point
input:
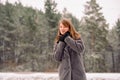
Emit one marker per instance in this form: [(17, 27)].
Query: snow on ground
[(54, 76)]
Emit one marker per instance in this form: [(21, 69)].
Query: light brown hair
[(67, 23)]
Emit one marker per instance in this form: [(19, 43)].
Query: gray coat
[(69, 55)]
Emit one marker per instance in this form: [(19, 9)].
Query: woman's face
[(63, 28)]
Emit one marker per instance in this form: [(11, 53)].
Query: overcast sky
[(110, 8)]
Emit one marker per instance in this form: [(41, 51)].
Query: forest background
[(27, 38)]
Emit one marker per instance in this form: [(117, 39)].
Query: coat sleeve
[(58, 51), (76, 45)]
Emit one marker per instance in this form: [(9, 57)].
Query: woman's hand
[(62, 37)]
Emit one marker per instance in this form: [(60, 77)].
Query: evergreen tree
[(118, 45), (52, 18), (97, 29), (50, 11), (7, 29)]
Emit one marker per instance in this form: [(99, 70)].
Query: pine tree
[(97, 29), (52, 18), (96, 25), (118, 45), (50, 12)]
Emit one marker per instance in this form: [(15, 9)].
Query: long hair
[(67, 23)]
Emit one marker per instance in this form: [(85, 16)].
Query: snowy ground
[(54, 76)]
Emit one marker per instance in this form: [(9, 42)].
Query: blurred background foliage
[(27, 38)]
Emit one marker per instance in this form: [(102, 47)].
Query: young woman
[(68, 50)]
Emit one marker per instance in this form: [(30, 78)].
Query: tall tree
[(52, 19), (50, 12), (7, 29), (97, 29), (118, 45)]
